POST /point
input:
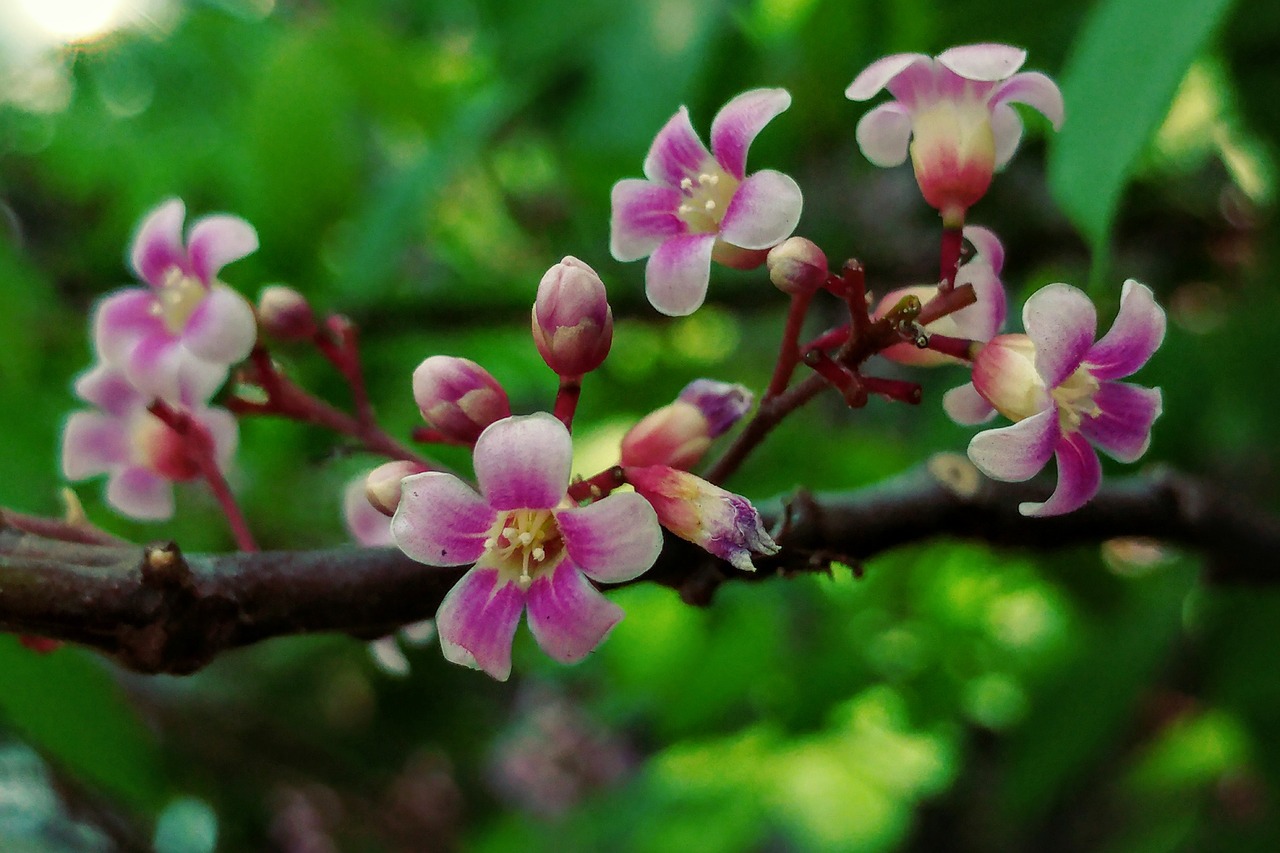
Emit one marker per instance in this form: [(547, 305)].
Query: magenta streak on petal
[(1079, 475), (120, 319), (158, 243), (764, 211), (877, 75), (966, 406), (524, 462), (1061, 322), (139, 493), (676, 152), (1035, 90), (884, 135), (216, 241), (612, 540), (477, 622), (222, 328), (440, 520), (93, 444), (643, 215), (106, 388), (1136, 334), (738, 123), (1017, 452), (920, 84), (1123, 428), (567, 615), (154, 365), (677, 274)]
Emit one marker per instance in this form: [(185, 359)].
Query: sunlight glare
[(73, 20)]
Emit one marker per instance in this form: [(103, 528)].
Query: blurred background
[(417, 165)]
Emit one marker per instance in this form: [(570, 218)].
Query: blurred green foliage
[(417, 165)]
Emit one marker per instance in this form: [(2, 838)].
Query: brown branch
[(156, 610)]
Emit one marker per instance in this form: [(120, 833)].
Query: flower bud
[(676, 435), (285, 314), (458, 397), (722, 403), (572, 320), (797, 266), (1005, 374), (722, 523), (382, 486), (366, 524)]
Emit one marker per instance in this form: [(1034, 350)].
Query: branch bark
[(154, 609)]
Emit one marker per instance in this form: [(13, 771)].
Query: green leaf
[(1118, 84)]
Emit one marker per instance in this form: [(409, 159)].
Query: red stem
[(949, 260), (894, 389), (567, 399), (961, 348), (595, 488), (789, 352), (947, 302)]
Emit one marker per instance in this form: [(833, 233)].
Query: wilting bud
[(458, 397), (285, 314), (572, 320), (680, 433), (382, 486), (797, 266), (722, 523)]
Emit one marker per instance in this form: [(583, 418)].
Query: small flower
[(980, 321), (185, 322), (140, 454), (458, 397), (695, 206), (572, 320), (724, 524), (957, 108), (382, 485), (530, 545), (1058, 387), (797, 265), (679, 433)]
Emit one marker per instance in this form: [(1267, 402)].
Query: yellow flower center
[(706, 198), (1075, 399), (177, 299), (524, 543)]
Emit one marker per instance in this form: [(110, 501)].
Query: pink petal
[(1061, 322), (986, 246), (106, 387), (223, 328), (1006, 130), (982, 320), (218, 240), (764, 211), (138, 493), (677, 274), (120, 319), (643, 216), (224, 429), (1035, 90), (1017, 452), (986, 62), (93, 444), (1079, 475), (477, 622), (1123, 428), (676, 152), (878, 74), (524, 462), (366, 525), (568, 616), (966, 406), (1135, 335), (158, 244), (440, 520), (198, 379), (884, 134), (154, 365), (738, 123), (612, 540)]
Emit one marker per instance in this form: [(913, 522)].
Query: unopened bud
[(676, 435), (796, 265), (572, 320), (458, 397), (722, 403), (382, 486), (285, 314)]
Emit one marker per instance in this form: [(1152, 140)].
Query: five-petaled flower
[(957, 108), (1058, 386), (187, 327), (695, 206), (531, 546)]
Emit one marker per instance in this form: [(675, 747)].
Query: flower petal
[(106, 387), (1036, 91), (676, 153), (965, 406), (153, 366), (877, 75), (738, 123), (223, 328), (1123, 426), (199, 379), (1079, 475), (224, 429), (365, 524), (1061, 322), (986, 62), (884, 135), (567, 615), (139, 493), (477, 622), (120, 319), (93, 444), (764, 211), (677, 274), (987, 247), (612, 540), (524, 462), (216, 241), (1135, 335), (1017, 452), (643, 216), (158, 244), (440, 520), (1006, 130)]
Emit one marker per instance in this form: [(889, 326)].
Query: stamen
[(710, 205), (539, 554), (686, 184)]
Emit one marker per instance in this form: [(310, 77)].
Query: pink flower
[(981, 321), (696, 206), (1058, 387), (185, 322), (458, 397), (140, 454), (957, 108), (531, 547)]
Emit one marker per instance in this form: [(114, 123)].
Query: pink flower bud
[(797, 266), (382, 486), (285, 314), (722, 403), (722, 523), (676, 435), (458, 397), (572, 320)]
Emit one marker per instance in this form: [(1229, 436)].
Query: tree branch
[(155, 609)]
